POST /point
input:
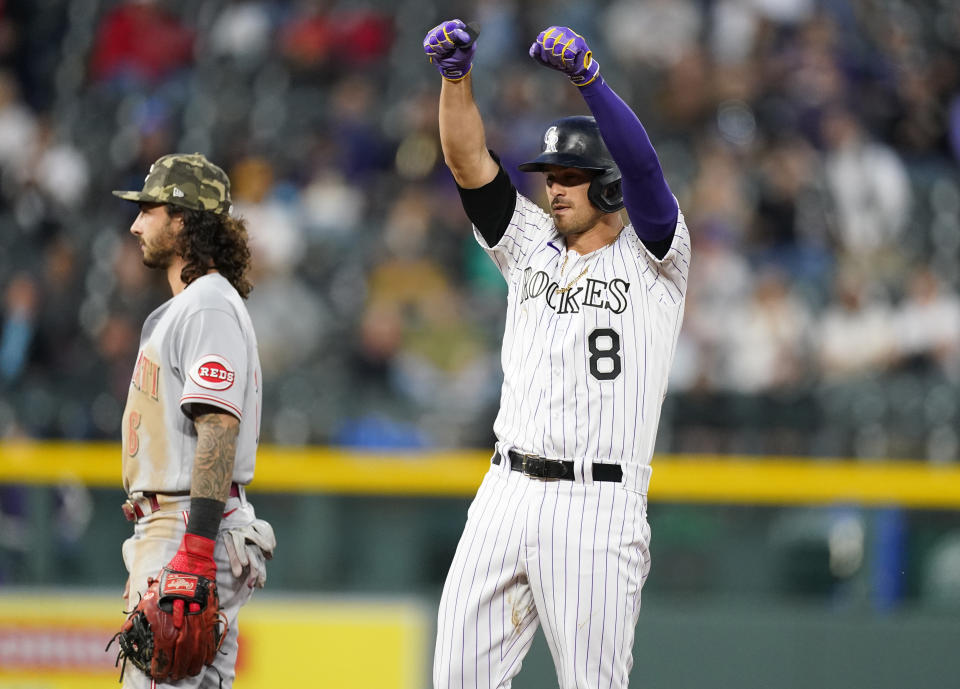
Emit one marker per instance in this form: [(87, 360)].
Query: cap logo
[(550, 140), (178, 193), (213, 372)]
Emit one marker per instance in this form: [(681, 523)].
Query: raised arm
[(646, 195), (450, 48)]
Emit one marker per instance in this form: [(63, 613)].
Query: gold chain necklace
[(563, 266)]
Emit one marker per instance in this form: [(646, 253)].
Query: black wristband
[(205, 516)]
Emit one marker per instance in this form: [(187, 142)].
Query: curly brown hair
[(212, 240)]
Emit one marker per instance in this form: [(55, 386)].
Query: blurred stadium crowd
[(813, 145)]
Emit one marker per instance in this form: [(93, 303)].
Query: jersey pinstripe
[(572, 556), (587, 347), (588, 341), (198, 347)]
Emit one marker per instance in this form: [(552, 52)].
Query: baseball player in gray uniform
[(192, 419), (557, 535)]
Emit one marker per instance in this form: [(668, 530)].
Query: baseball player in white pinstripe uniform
[(557, 535)]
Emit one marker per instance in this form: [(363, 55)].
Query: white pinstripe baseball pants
[(570, 555)]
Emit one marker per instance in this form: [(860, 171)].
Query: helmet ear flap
[(605, 191)]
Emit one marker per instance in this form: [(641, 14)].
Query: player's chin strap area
[(140, 505)]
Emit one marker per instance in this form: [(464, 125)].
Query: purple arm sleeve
[(646, 195)]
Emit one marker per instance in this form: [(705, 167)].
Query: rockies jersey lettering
[(597, 293), (581, 337)]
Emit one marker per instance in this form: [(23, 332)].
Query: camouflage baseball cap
[(186, 180)]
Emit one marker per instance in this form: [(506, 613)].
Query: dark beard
[(572, 231), (160, 259)]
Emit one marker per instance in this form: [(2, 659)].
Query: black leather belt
[(539, 467)]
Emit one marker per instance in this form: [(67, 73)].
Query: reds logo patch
[(213, 372)]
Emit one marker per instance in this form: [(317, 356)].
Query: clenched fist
[(563, 49), (450, 47)]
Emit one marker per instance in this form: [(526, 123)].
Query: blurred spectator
[(721, 284), (857, 330), (688, 92), (287, 315), (117, 343), (500, 23), (719, 202), (19, 326), (309, 36), (333, 206), (445, 368), (791, 221), (767, 339), (927, 325), (140, 43), (290, 322), (316, 33), (805, 67), (18, 125), (61, 344), (356, 136), (242, 31), (416, 332), (785, 170), (276, 240), (815, 146), (869, 185), (734, 27), (55, 168), (657, 32)]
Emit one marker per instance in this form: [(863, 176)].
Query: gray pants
[(155, 540)]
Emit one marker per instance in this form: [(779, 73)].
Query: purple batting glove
[(450, 47), (563, 49)]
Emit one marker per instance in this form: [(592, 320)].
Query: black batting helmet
[(576, 142)]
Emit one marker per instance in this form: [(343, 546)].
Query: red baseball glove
[(176, 628)]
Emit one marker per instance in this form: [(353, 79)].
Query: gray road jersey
[(197, 348), (588, 340)]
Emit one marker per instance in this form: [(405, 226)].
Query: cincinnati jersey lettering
[(146, 376)]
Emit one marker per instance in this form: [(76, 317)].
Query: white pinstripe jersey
[(197, 348), (585, 370)]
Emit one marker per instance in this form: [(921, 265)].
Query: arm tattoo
[(216, 450)]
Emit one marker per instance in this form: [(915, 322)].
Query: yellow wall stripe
[(677, 478)]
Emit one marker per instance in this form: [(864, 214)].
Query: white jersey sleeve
[(666, 277), (213, 358), (528, 228)]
